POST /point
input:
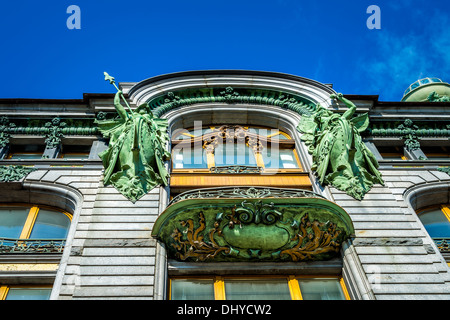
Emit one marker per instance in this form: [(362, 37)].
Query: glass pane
[(50, 225), (192, 289), (190, 158), (12, 221), (321, 289), (229, 154), (264, 289), (436, 223), (28, 294), (279, 158)]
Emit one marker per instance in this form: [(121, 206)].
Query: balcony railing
[(442, 244), (245, 192), (236, 169), (9, 245)]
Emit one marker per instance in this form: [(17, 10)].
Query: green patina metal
[(5, 127), (402, 128), (165, 103), (435, 97), (46, 127), (411, 132), (212, 229), (340, 158), (134, 160), (14, 173)]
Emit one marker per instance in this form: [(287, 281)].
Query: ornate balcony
[(34, 246), (252, 224)]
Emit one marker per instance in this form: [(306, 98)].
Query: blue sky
[(133, 40)]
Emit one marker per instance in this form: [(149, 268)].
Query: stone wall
[(398, 257)]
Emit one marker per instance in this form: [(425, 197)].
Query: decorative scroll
[(253, 229), (324, 240), (256, 230), (194, 246), (54, 132), (172, 100)]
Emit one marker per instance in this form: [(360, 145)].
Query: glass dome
[(421, 82)]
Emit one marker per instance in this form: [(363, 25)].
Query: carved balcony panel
[(252, 224)]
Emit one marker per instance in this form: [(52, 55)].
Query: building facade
[(226, 185)]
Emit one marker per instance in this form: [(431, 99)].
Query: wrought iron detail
[(245, 192), (8, 245), (442, 244), (236, 169)]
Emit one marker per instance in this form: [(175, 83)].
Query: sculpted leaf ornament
[(340, 157)]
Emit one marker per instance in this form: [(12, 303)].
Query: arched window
[(233, 145), (27, 228), (436, 220)]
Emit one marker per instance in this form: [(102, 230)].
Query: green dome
[(421, 89)]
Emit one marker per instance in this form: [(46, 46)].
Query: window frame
[(4, 289), (292, 281), (32, 215), (287, 143), (445, 209), (397, 152)]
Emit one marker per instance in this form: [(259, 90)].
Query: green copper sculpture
[(340, 158), (134, 161)]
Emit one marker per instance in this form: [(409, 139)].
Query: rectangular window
[(192, 289), (25, 152), (75, 152), (258, 288), (25, 292), (321, 289), (230, 154), (275, 158), (187, 158)]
